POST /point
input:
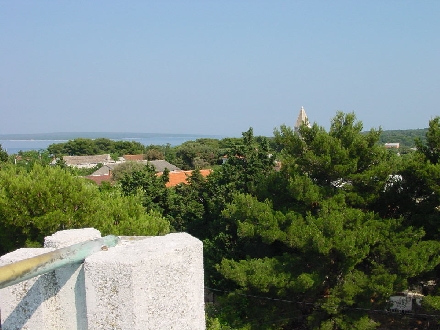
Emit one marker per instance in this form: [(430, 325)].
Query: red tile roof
[(177, 177), (98, 179)]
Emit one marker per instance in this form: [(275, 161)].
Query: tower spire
[(302, 119)]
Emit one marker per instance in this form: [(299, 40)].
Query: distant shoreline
[(95, 135), (13, 143)]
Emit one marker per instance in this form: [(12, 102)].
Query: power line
[(259, 297), (377, 311)]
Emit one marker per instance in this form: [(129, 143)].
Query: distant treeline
[(406, 137), (201, 153), (86, 146), (198, 154), (119, 144)]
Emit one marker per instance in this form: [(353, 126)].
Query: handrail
[(27, 268)]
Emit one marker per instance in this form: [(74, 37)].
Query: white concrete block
[(70, 301), (55, 300), (153, 283), (22, 304), (143, 283), (64, 238)]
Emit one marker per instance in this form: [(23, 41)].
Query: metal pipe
[(27, 268)]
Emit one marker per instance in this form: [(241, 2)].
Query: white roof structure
[(302, 119)]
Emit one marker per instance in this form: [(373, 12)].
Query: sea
[(13, 143)]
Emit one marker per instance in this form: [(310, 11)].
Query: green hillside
[(404, 137)]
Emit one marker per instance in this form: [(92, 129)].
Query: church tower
[(302, 119)]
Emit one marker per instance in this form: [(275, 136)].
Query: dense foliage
[(82, 146), (406, 138), (321, 242), (3, 155), (198, 154), (320, 247), (39, 202), (201, 153)]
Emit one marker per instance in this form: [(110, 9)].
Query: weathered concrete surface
[(55, 300), (154, 283), (22, 304), (143, 283), (69, 298), (69, 237)]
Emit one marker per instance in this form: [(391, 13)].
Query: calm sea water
[(12, 144)]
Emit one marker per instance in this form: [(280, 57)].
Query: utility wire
[(411, 314), (260, 297)]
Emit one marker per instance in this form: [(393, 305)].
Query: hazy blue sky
[(216, 67)]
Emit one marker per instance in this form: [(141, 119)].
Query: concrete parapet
[(142, 283), (154, 283), (69, 237), (22, 305)]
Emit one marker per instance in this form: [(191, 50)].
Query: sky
[(216, 67)]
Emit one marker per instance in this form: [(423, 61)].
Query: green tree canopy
[(126, 168), (44, 200), (197, 154), (313, 236), (431, 149), (145, 183), (342, 159), (3, 155), (84, 146), (415, 192)]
